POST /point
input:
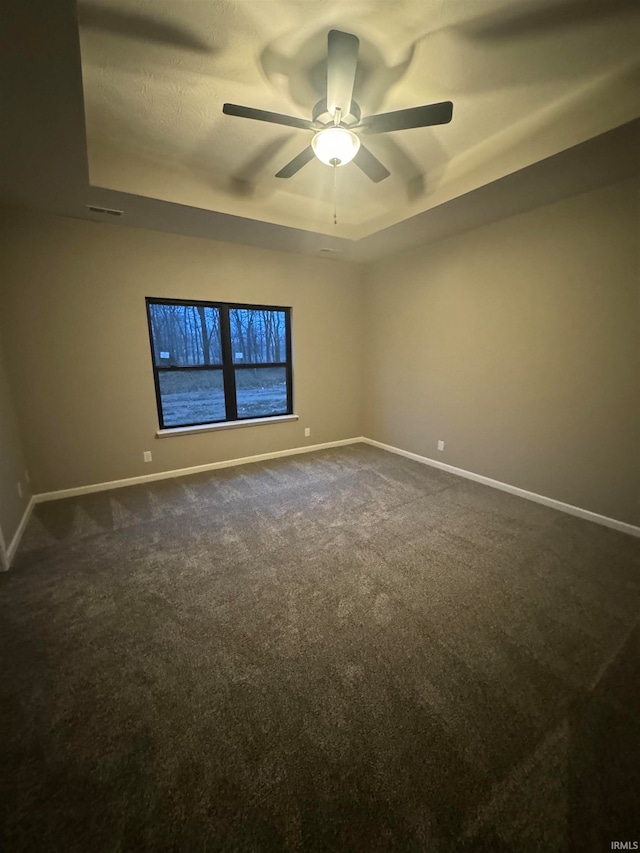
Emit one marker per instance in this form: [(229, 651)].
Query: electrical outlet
[(441, 445), (19, 484), (147, 456), (307, 432)]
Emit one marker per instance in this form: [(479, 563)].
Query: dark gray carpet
[(343, 650)]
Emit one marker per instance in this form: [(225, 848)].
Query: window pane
[(261, 391), (257, 335), (185, 335), (191, 396)]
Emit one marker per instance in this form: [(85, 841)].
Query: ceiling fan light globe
[(335, 146)]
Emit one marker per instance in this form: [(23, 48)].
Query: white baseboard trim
[(294, 451), (604, 520), (182, 472), (17, 536)]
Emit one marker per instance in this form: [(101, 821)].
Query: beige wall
[(12, 464), (518, 344), (73, 316)]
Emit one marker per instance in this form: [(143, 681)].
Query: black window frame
[(228, 366)]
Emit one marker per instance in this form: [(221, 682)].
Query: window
[(215, 362)]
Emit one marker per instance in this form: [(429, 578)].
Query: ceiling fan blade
[(370, 165), (265, 115), (296, 164), (425, 116), (342, 61), (138, 26)]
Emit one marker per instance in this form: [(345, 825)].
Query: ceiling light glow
[(335, 146)]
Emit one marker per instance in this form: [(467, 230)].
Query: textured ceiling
[(528, 79)]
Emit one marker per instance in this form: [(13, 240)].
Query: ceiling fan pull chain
[(335, 192)]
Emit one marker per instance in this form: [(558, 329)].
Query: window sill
[(190, 430)]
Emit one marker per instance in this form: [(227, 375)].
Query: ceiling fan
[(337, 121)]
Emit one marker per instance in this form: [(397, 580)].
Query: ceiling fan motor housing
[(321, 115)]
